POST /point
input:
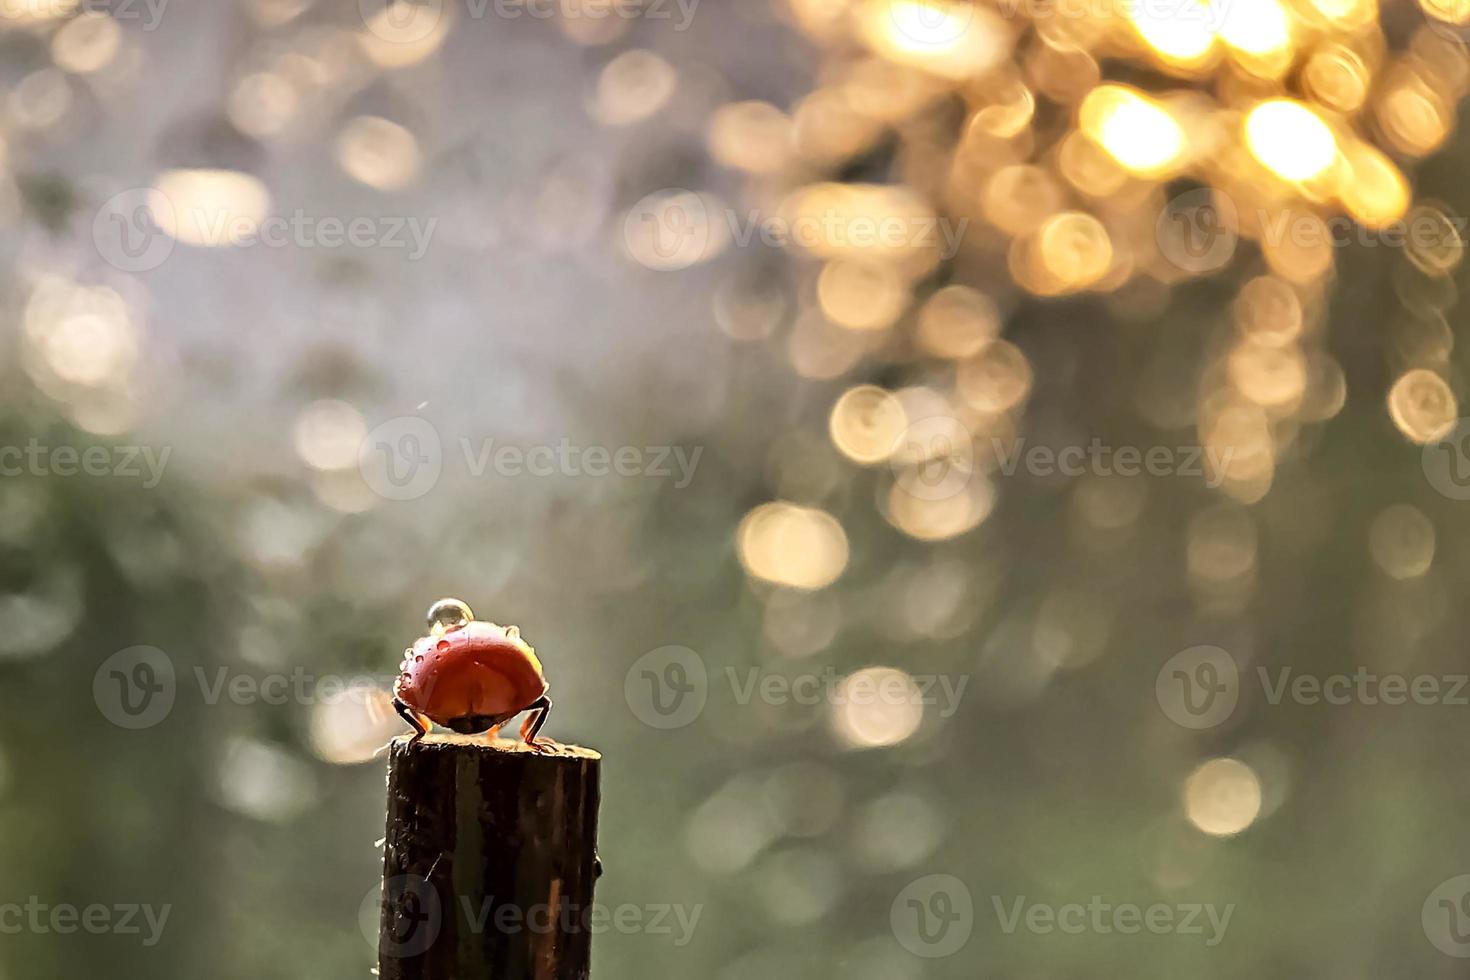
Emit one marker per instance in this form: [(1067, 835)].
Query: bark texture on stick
[(489, 861)]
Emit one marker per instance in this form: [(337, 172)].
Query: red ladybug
[(470, 676)]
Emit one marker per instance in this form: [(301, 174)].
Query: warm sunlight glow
[(1136, 131), (1291, 140)]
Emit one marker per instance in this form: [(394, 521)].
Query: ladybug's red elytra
[(470, 677)]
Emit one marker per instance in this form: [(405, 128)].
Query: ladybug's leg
[(538, 710), (408, 715)]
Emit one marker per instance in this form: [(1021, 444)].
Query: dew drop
[(442, 645), (513, 632), (420, 658), (449, 614)]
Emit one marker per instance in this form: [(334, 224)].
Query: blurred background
[(985, 475)]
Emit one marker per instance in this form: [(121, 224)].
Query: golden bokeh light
[(378, 152), (1434, 242), (402, 34), (934, 506), (1180, 34), (1136, 131), (1413, 116), (1373, 190), (957, 322), (633, 86), (1290, 139), (78, 335), (328, 435), (1074, 251), (1269, 311), (876, 707), (1345, 16), (204, 207), (787, 544), (1401, 541), (865, 424), (1337, 77), (1019, 198), (1422, 405), (952, 39), (1455, 12), (755, 137), (861, 295), (1222, 797), (262, 104), (1271, 375), (87, 43), (1259, 33)]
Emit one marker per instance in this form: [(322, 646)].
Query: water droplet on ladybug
[(513, 632), (419, 659), (449, 614), (442, 645)]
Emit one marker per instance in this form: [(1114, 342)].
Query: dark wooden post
[(489, 861)]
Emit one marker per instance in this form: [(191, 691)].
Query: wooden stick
[(489, 861)]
